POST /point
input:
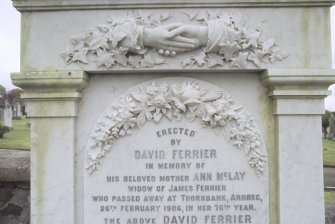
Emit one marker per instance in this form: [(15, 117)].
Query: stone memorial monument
[(175, 112)]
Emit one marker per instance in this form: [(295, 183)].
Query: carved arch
[(177, 98)]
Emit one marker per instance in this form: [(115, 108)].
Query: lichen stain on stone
[(25, 37), (305, 20), (268, 125)]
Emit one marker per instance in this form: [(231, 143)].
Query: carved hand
[(161, 38), (199, 34)]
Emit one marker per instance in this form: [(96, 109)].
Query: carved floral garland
[(214, 109), (241, 46)]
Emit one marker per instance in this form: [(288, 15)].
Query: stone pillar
[(298, 103), (51, 99)]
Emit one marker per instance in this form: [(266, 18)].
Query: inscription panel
[(176, 172)]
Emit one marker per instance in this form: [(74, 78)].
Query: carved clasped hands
[(175, 38)]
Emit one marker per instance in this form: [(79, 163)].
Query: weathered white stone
[(284, 96)]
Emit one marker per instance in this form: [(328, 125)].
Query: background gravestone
[(111, 89), (331, 131), (7, 121)]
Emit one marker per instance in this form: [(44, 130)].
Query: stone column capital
[(298, 83), (51, 94), (298, 91), (50, 82)]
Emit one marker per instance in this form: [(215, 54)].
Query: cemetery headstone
[(8, 116), (175, 112)]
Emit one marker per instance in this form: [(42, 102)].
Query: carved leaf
[(106, 60), (67, 56), (211, 96), (116, 37), (168, 114), (150, 60), (180, 105), (252, 38), (278, 55), (228, 49), (189, 116), (240, 61), (157, 117), (140, 119), (267, 45), (148, 115), (141, 97), (200, 58), (135, 60), (188, 61), (81, 56), (120, 56), (214, 59), (78, 42), (158, 60), (256, 58), (232, 35), (147, 62), (99, 42)]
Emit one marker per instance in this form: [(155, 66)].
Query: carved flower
[(239, 137), (155, 102), (257, 163), (159, 101), (219, 113), (244, 121), (187, 94), (125, 104), (125, 121), (100, 137)]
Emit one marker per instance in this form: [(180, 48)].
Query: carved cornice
[(298, 91), (50, 5), (295, 83), (50, 82), (51, 94)]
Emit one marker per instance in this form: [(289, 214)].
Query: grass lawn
[(328, 152), (330, 197), (18, 138)]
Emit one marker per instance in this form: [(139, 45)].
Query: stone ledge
[(51, 5), (14, 165)]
